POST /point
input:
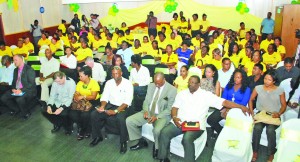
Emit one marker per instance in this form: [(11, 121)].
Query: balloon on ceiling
[(74, 7), (170, 6), (113, 10), (242, 8)]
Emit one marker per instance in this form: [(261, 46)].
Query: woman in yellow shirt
[(212, 44), (28, 45), (170, 59), (271, 58), (183, 27), (202, 58), (97, 42), (175, 23), (280, 47), (74, 44), (86, 89), (174, 42), (217, 58), (233, 54), (181, 82), (155, 51), (197, 41), (5, 50), (137, 47), (248, 54), (123, 27), (256, 59), (83, 52), (55, 45), (121, 37), (145, 45), (44, 41)]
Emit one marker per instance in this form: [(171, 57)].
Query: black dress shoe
[(165, 160), (123, 148), (154, 152), (96, 141), (56, 128), (141, 144), (26, 116)]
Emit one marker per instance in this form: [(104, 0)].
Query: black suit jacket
[(27, 80)]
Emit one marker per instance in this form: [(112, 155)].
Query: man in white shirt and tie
[(156, 110)]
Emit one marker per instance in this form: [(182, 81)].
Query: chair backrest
[(101, 49), (59, 53), (195, 71), (162, 68), (43, 47), (33, 58), (293, 125), (238, 120), (148, 61)]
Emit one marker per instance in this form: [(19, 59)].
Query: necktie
[(18, 82), (152, 111)]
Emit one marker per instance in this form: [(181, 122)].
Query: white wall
[(15, 22)]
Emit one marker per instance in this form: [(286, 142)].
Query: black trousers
[(139, 96), (152, 31), (204, 35), (194, 33), (17, 103), (61, 120), (214, 119), (264, 36), (3, 89), (99, 120)]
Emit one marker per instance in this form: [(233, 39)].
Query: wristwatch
[(116, 111)]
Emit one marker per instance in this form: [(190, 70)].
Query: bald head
[(159, 79)]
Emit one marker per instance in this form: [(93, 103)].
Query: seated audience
[(49, 66), (256, 78), (153, 50), (225, 73), (86, 89), (115, 100), (271, 58), (181, 82), (126, 53), (190, 105), (154, 112), (280, 47), (108, 57), (44, 41), (59, 103), (170, 59), (98, 72), (23, 89), (140, 78), (28, 45), (202, 57), (117, 61), (82, 53), (271, 99), (287, 71), (6, 75), (256, 59), (21, 49), (210, 82), (184, 53), (237, 91), (5, 50)]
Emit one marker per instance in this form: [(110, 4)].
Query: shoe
[(13, 113), (154, 152), (165, 160), (26, 116), (80, 137), (68, 132), (123, 148), (96, 141), (87, 135), (141, 144), (56, 128)]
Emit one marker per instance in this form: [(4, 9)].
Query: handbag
[(263, 117), (190, 126), (82, 105)]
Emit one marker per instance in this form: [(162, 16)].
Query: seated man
[(140, 78), (190, 105), (98, 72), (4, 50), (59, 103), (21, 49), (6, 75), (23, 89), (156, 110), (49, 66), (116, 98)]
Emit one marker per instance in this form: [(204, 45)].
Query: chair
[(234, 141), (195, 71), (176, 146), (165, 70), (288, 148), (149, 62), (59, 53), (101, 49), (43, 47)]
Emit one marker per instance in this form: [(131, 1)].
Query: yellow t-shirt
[(129, 38), (174, 42), (217, 63), (271, 59), (212, 47), (62, 27), (112, 43), (22, 50), (250, 65), (243, 33), (235, 59), (86, 90), (181, 83), (243, 42), (205, 25), (91, 37), (124, 29), (199, 60), (56, 46), (42, 42), (115, 37), (195, 25), (65, 40), (163, 44), (245, 60), (175, 23), (121, 39), (265, 44), (7, 51), (102, 35), (281, 49), (196, 43), (98, 43), (75, 45), (154, 53), (183, 25), (137, 50), (169, 59), (29, 46), (81, 53)]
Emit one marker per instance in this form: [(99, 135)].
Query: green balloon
[(247, 10), (115, 10), (240, 3), (176, 4), (166, 9), (238, 8), (173, 8)]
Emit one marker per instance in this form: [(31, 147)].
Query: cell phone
[(269, 113)]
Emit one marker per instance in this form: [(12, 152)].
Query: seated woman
[(44, 41), (181, 82), (108, 57), (87, 89), (28, 45), (237, 91), (202, 58), (145, 45), (97, 42), (280, 47), (271, 58), (121, 38), (137, 47), (74, 44), (155, 51), (184, 53), (271, 99), (170, 59), (123, 27), (82, 53), (217, 58), (117, 61), (55, 45), (256, 59), (210, 82), (233, 54), (183, 27)]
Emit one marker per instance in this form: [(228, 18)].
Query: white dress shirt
[(224, 77), (49, 66), (126, 56), (156, 107), (7, 74), (98, 72), (118, 94), (194, 107), (70, 61), (141, 77)]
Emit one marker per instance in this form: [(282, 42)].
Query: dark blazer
[(27, 80)]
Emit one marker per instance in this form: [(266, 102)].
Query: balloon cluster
[(74, 7), (295, 2), (13, 4), (113, 10), (170, 6), (242, 8)]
